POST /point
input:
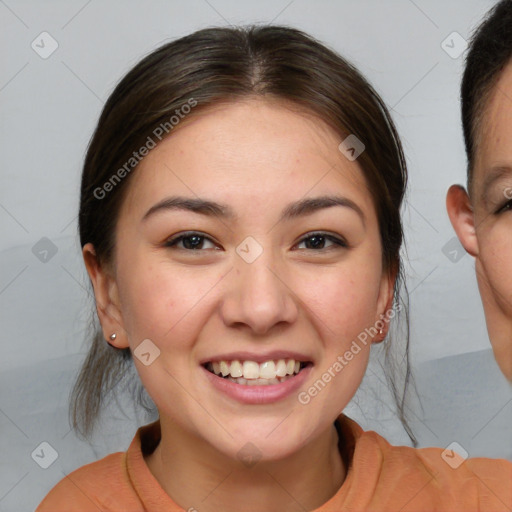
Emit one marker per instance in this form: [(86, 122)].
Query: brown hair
[(211, 66), (489, 52)]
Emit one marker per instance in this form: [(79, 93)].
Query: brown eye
[(191, 241), (317, 241)]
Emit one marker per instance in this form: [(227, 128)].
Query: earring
[(113, 336)]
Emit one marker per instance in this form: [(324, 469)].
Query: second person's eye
[(506, 207)]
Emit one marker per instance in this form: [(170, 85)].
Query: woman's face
[(251, 284), (486, 230)]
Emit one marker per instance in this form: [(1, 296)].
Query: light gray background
[(49, 108)]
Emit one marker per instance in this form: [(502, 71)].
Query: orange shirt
[(380, 477)]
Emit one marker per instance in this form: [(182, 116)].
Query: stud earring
[(113, 336)]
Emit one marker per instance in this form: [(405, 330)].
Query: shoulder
[(386, 477), (489, 481), (444, 477), (101, 485)]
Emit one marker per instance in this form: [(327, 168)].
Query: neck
[(197, 476)]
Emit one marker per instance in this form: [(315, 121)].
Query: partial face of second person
[(484, 222), (197, 299)]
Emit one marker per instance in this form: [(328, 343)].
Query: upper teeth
[(253, 370)]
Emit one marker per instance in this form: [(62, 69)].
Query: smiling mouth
[(251, 373)]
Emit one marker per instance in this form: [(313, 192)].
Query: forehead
[(262, 149), (495, 145)]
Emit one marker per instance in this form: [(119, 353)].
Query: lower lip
[(259, 394)]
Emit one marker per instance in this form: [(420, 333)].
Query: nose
[(259, 296)]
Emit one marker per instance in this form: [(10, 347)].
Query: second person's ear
[(461, 216)]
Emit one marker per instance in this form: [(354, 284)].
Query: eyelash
[(337, 241), (506, 207)]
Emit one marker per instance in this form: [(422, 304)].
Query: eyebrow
[(291, 211), (492, 176)]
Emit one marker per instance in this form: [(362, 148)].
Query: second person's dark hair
[(489, 52)]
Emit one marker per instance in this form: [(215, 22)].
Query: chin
[(269, 439)]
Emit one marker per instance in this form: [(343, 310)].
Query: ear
[(385, 304), (462, 218), (107, 299)]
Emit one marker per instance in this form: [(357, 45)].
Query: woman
[(240, 223)]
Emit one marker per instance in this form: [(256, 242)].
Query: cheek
[(496, 262), (343, 300), (159, 302)]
